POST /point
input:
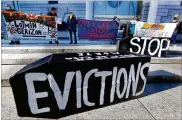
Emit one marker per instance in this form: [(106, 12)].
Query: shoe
[(50, 42), (71, 42), (75, 42), (12, 42), (57, 42), (17, 42)]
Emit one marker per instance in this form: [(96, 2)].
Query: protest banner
[(64, 84), (155, 47), (91, 29), (23, 26), (149, 39), (162, 30)]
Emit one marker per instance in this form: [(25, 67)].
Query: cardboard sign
[(64, 84), (155, 47), (149, 46), (143, 29), (22, 26), (89, 29)]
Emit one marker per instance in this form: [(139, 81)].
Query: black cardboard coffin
[(64, 84)]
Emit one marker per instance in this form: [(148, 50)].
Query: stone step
[(26, 58), (17, 49), (163, 71), (64, 46)]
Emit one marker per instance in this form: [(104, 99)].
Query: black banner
[(156, 47), (64, 84)]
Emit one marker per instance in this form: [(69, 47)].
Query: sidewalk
[(162, 97), (64, 42), (164, 105)]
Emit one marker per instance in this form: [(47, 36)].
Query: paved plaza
[(162, 97)]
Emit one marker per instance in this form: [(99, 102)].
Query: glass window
[(133, 7), (127, 8), (111, 7), (115, 7), (123, 8), (99, 7)]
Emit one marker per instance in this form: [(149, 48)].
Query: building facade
[(154, 11), (161, 12), (98, 10)]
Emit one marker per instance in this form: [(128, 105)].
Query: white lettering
[(114, 74), (133, 79), (135, 44), (149, 47), (122, 70), (146, 65), (161, 45), (144, 43), (32, 96), (78, 88), (103, 76), (85, 87), (61, 99)]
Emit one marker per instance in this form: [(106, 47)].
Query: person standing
[(175, 20), (72, 27), (10, 19), (53, 13), (113, 41), (132, 25)]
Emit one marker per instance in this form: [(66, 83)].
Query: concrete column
[(152, 11), (89, 10)]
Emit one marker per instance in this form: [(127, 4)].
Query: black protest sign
[(156, 47), (64, 84)]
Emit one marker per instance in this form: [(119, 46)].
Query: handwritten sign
[(24, 26), (64, 84), (89, 29), (143, 29), (149, 46), (149, 39), (156, 47)]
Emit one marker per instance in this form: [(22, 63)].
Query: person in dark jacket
[(175, 20), (53, 13), (114, 41), (10, 9), (72, 27)]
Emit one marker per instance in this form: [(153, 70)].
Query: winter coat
[(72, 24)]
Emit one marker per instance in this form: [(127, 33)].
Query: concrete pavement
[(165, 105), (163, 93), (63, 42)]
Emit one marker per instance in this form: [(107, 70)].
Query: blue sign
[(90, 29)]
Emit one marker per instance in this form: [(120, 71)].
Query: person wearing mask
[(113, 41), (132, 25), (175, 20), (72, 27), (53, 13)]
